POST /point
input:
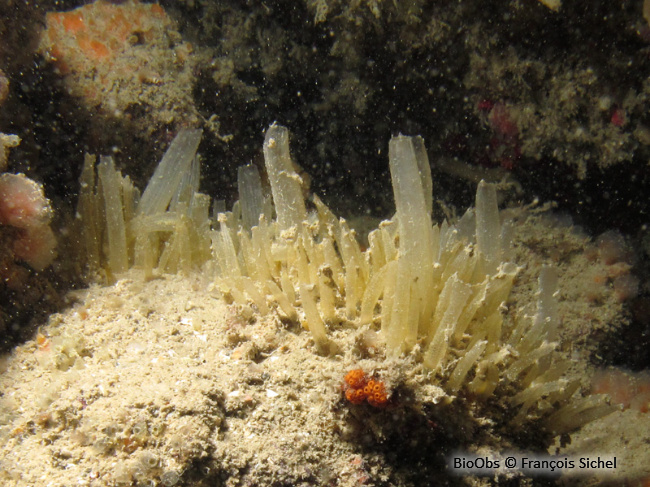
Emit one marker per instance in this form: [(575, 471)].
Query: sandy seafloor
[(163, 383)]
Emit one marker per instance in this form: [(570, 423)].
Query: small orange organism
[(355, 396), (356, 379), (376, 393), (43, 342), (358, 388)]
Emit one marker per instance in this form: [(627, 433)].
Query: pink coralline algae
[(629, 389), (25, 215), (505, 149)]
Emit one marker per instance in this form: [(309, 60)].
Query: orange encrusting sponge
[(359, 389), (98, 32)]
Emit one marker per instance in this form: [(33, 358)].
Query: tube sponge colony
[(435, 292), (166, 227)]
